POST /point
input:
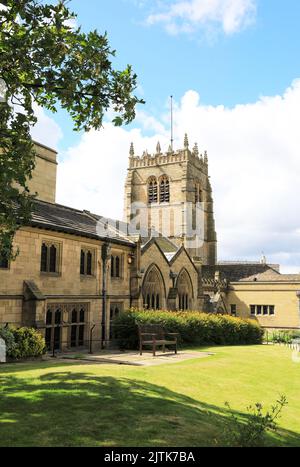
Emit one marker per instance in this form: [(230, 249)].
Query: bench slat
[(156, 335)]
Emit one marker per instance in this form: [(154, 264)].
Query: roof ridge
[(67, 208)]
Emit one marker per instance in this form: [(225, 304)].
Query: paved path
[(134, 358)]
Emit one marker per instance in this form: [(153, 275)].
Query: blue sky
[(227, 69), (234, 70)]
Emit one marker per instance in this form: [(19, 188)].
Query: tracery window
[(86, 262), (152, 190), (61, 316), (164, 190), (115, 269), (153, 290), (53, 327), (50, 254), (185, 290), (77, 327)]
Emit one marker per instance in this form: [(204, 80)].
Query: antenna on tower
[(172, 136)]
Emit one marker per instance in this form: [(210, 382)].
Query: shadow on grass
[(65, 408)]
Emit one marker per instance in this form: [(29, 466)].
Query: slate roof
[(234, 272), (168, 249), (272, 276), (248, 272), (166, 245), (73, 221)]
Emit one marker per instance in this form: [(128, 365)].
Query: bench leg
[(154, 349), (176, 348), (164, 348), (141, 349)]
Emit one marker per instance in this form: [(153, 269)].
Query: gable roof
[(168, 249), (151, 242)]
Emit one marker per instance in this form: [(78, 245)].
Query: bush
[(252, 433), (8, 336), (283, 336), (194, 328), (23, 343)]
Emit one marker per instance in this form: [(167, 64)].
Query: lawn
[(182, 404)]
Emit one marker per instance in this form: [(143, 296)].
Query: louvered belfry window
[(164, 188), (152, 191)]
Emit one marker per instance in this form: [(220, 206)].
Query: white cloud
[(254, 165), (92, 174), (186, 16), (46, 131)]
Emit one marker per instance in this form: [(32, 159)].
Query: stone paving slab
[(134, 358)]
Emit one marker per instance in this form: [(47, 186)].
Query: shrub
[(253, 432), (7, 335), (194, 328), (283, 336), (23, 342)]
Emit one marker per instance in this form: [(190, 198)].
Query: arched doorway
[(153, 289)]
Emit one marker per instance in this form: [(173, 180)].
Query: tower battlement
[(170, 157)]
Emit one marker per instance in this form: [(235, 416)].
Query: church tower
[(170, 195)]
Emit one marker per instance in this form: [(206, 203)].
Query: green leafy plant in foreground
[(253, 432), (23, 342)]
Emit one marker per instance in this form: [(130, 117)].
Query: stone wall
[(43, 180), (282, 295)]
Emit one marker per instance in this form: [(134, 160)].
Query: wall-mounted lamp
[(130, 258)]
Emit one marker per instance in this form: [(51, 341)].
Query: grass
[(71, 404)]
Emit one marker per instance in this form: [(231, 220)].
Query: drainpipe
[(105, 254), (298, 296)]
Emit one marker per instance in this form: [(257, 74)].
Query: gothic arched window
[(116, 267), (152, 190), (198, 193), (164, 190), (44, 255), (53, 253), (77, 318), (50, 257), (82, 262), (86, 262), (185, 290), (89, 263), (153, 289)]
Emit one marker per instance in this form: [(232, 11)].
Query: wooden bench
[(154, 335)]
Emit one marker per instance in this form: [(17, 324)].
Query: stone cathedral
[(76, 270)]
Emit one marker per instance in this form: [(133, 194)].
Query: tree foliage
[(46, 60)]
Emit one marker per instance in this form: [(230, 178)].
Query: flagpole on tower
[(172, 136)]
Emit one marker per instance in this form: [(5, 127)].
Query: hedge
[(194, 328), (23, 343)]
